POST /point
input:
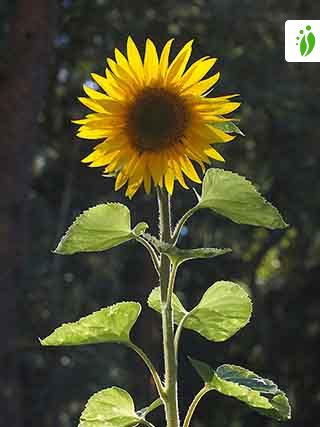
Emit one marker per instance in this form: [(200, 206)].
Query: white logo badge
[(302, 41)]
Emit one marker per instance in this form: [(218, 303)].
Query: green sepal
[(112, 407), (224, 309), (179, 256), (261, 394), (228, 127), (99, 228), (234, 197), (111, 324)]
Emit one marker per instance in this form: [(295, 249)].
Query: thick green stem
[(166, 285), (193, 406)]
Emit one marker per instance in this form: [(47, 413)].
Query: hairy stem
[(193, 406), (166, 284)]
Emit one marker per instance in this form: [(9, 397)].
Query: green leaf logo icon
[(307, 41)]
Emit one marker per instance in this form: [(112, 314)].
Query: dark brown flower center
[(156, 119)]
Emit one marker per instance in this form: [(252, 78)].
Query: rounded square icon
[(302, 40)]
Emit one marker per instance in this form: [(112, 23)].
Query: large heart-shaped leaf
[(261, 394), (99, 228), (111, 324), (234, 197), (223, 310), (112, 407)]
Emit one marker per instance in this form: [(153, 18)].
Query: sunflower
[(154, 118)]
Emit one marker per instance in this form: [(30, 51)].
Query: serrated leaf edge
[(85, 212), (265, 202), (90, 314)]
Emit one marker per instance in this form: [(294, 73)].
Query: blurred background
[(48, 49)]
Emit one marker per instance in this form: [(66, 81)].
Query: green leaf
[(228, 127), (154, 302), (112, 407), (181, 255), (98, 229), (234, 197), (223, 310), (203, 370), (154, 405), (111, 324), (261, 394)]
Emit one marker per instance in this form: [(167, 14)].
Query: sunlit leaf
[(111, 324), (223, 310), (112, 407), (99, 228), (154, 405), (234, 197), (261, 394)]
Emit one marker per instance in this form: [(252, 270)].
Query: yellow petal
[(219, 136), (93, 133), (99, 156), (189, 169), (164, 58), (120, 181), (178, 174), (226, 108), (212, 118), (134, 58), (118, 88), (205, 102), (151, 62), (94, 94), (124, 64), (155, 167), (80, 122), (179, 64), (126, 78), (169, 180), (133, 188), (103, 160), (107, 86), (110, 122), (211, 152), (93, 105), (203, 86), (193, 76), (147, 182)]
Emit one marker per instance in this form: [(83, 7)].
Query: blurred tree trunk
[(23, 83)]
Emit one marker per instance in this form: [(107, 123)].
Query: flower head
[(154, 118)]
